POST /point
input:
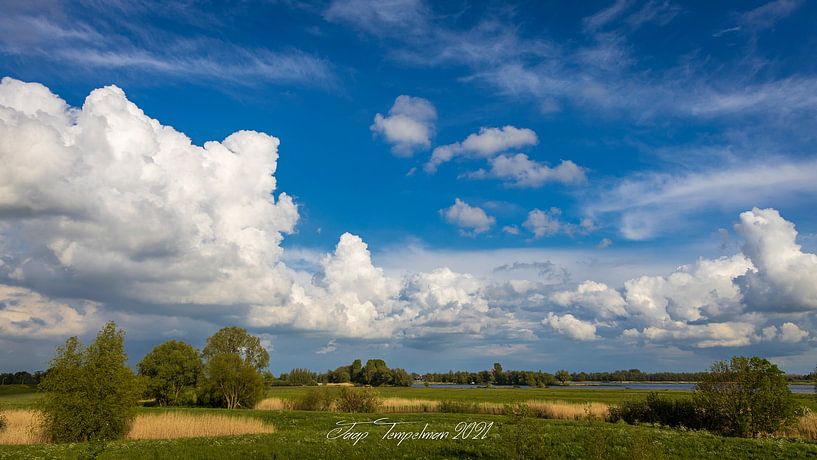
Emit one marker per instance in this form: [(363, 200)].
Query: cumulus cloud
[(330, 347), (571, 326), (110, 209), (487, 143), (409, 126), (727, 334), (520, 171), (104, 195), (597, 298), (25, 313), (786, 277), (470, 219)]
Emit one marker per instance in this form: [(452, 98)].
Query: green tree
[(376, 373), (237, 340), (356, 371), (745, 397), (90, 393), (232, 370), (171, 368), (562, 376), (232, 382), (401, 378)]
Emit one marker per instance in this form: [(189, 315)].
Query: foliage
[(301, 376), (91, 394), (317, 399), (562, 376), (375, 373), (231, 382), (171, 368), (358, 400), (745, 397), (237, 340), (232, 371), (658, 410)]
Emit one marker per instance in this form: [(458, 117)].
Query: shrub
[(655, 409), (3, 421), (90, 393), (745, 397), (231, 382), (320, 399), (364, 400)]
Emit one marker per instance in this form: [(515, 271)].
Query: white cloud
[(109, 197), (790, 333), (604, 243), (543, 223), (409, 126), (25, 313), (520, 171), (597, 298), (651, 204), (511, 229), (571, 326), (690, 293), (382, 17), (786, 277), (727, 334), (467, 217), (330, 347), (487, 143)]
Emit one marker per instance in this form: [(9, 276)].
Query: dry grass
[(543, 409), (274, 404), (172, 425), (806, 428), (23, 427), (567, 411)]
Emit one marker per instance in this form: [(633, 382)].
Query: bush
[(320, 399), (90, 393), (361, 400), (658, 410), (745, 397), (3, 421)]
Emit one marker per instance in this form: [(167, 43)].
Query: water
[(799, 389)]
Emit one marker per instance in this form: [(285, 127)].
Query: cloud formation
[(485, 144), (409, 126), (468, 218)]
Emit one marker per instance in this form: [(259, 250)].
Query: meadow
[(303, 434)]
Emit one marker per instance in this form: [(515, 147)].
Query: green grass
[(18, 396), (303, 435)]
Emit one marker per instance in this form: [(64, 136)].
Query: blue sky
[(593, 186)]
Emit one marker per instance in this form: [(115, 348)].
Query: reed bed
[(24, 426), (805, 428), (543, 409)]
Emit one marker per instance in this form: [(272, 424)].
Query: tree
[(232, 371), (233, 381), (237, 340), (401, 378), (376, 373), (356, 371), (90, 393), (171, 368), (745, 397), (497, 374), (562, 376)]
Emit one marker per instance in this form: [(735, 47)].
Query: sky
[(444, 185)]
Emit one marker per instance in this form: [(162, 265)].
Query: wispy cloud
[(202, 58)]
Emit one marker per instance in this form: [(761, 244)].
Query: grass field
[(303, 435), (299, 434)]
